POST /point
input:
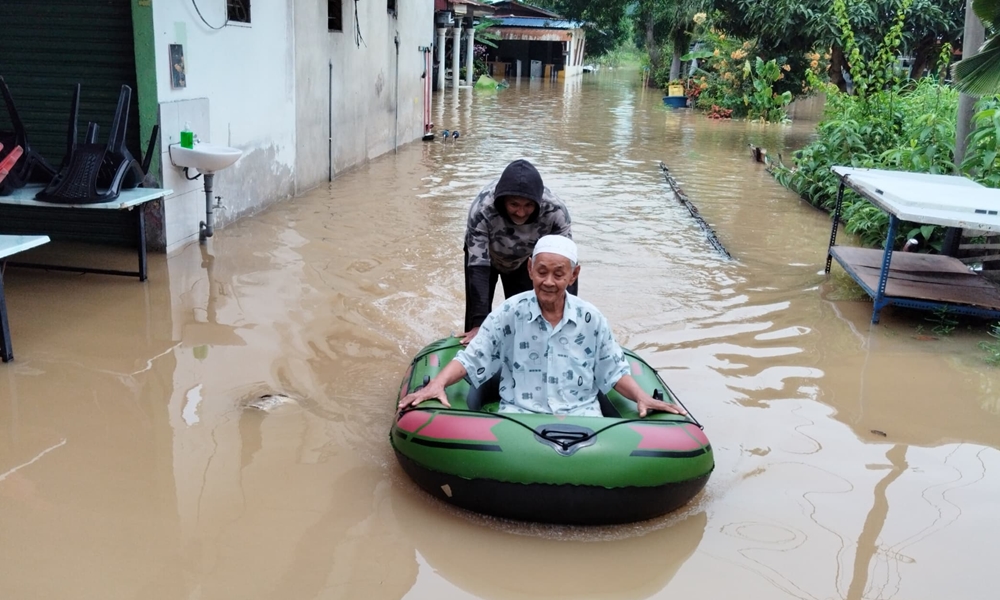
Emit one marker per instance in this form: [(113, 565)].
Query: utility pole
[(972, 40)]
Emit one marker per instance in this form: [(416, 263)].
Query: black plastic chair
[(92, 173), (31, 167)]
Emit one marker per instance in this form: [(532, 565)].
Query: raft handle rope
[(683, 199), (555, 439), (561, 438), (657, 394)]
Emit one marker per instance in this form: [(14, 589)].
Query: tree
[(791, 28)]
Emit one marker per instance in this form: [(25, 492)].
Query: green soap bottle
[(187, 136)]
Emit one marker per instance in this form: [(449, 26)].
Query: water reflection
[(494, 559)]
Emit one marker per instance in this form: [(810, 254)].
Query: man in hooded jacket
[(507, 218)]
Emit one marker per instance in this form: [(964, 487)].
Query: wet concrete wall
[(265, 88), (347, 82), (239, 90)]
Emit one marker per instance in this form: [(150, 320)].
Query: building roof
[(536, 22), (471, 7), (520, 9)]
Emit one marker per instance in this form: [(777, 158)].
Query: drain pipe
[(329, 149), (395, 126), (207, 227)]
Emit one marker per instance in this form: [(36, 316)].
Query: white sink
[(205, 157)]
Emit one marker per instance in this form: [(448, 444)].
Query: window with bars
[(238, 11), (335, 15)]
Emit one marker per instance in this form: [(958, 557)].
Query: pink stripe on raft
[(447, 427), (433, 360), (637, 368), (696, 432), (670, 437), (413, 420)]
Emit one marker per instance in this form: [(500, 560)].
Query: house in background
[(535, 42), (455, 20), (304, 88)]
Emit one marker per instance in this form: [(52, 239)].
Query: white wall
[(245, 75), (363, 91), (265, 88)]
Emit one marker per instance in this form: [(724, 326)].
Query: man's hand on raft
[(628, 387), (432, 391), (648, 403), (468, 335)]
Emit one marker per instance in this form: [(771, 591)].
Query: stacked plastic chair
[(30, 167), (92, 173)]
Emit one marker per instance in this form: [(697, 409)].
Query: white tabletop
[(947, 200), (127, 199), (12, 244)]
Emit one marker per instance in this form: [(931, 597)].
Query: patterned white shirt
[(546, 369)]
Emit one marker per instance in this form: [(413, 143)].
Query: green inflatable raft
[(617, 468)]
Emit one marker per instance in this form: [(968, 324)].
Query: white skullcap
[(556, 244)]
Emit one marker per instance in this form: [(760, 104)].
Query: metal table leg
[(140, 220), (883, 278), (6, 351), (836, 224)]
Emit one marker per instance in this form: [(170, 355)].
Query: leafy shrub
[(981, 158), (763, 102), (904, 128)]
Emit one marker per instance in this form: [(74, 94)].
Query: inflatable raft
[(618, 468)]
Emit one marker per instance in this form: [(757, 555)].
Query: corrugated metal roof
[(539, 22), (511, 5)]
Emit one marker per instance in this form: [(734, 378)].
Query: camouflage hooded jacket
[(493, 240)]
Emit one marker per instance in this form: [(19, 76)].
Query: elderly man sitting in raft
[(554, 351)]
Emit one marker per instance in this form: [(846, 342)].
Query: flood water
[(138, 458)]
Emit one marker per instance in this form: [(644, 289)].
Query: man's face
[(550, 275), (519, 209)]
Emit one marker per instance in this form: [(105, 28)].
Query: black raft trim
[(457, 445), (671, 453), (554, 503)]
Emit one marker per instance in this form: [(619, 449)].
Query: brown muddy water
[(138, 459)]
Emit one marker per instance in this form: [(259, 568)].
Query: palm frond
[(988, 11), (979, 75)]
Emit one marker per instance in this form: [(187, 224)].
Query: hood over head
[(522, 179)]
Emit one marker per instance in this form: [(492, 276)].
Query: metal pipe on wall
[(395, 124), (329, 149)]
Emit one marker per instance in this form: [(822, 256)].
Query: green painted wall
[(145, 72)]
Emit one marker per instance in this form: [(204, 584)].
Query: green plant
[(763, 103), (944, 324), (981, 159), (907, 126), (992, 349), (878, 72)]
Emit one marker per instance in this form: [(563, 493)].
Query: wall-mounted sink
[(205, 157)]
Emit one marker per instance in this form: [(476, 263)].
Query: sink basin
[(206, 157)]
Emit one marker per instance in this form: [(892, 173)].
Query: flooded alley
[(221, 431)]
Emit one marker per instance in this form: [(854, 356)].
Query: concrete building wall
[(362, 93), (240, 92), (264, 87)]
